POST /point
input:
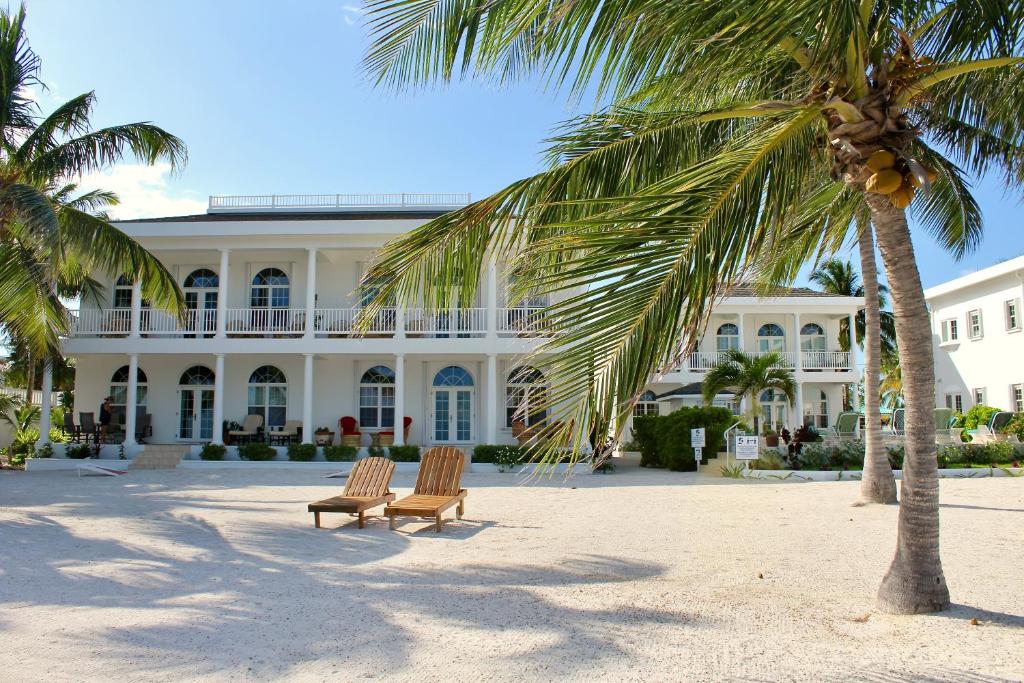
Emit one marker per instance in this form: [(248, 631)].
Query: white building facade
[(272, 285), (978, 342)]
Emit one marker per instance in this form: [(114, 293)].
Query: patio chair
[(982, 435), (250, 429), (437, 488), (899, 421), (290, 431), (998, 423), (89, 428), (367, 487), (846, 425), (143, 427), (350, 434), (71, 429), (387, 437)]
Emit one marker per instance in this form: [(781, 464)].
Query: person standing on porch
[(105, 416)]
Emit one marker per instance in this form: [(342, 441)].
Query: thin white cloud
[(144, 191), (350, 13)]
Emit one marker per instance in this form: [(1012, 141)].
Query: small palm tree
[(735, 130), (838, 277), (50, 242), (891, 386), (747, 377)]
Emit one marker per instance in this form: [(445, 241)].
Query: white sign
[(697, 437), (696, 453), (747, 447)]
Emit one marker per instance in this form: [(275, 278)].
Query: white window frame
[(522, 396), (724, 342), (264, 406), (950, 331), (378, 397), (971, 334), (979, 396), (1017, 397), (955, 401), (1011, 314), (646, 405)]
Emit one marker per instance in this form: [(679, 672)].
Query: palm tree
[(746, 377), (49, 241), (733, 132), (875, 326), (891, 386), (838, 277)]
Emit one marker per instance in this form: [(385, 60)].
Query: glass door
[(195, 414), (186, 414), (453, 415)]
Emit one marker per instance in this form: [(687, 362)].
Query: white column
[(310, 292), (739, 327), (492, 299), (491, 399), (222, 297), (853, 337), (307, 399), (799, 364), (218, 395), (399, 399), (44, 404), (131, 400), (136, 311), (399, 322), (854, 396), (799, 405)]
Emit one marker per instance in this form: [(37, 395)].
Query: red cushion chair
[(349, 426), (406, 423)]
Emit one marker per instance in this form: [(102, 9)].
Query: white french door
[(452, 415), (195, 414), (202, 304)]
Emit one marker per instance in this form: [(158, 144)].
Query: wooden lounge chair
[(367, 487), (437, 487)]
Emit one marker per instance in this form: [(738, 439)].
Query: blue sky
[(269, 98)]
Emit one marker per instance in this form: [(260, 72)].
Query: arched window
[(727, 337), (812, 337), (269, 289), (377, 398), (770, 337), (453, 376), (123, 293), (204, 278), (268, 395), (119, 390), (525, 392), (647, 405), (197, 374), (773, 408)]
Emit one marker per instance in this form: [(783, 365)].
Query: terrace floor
[(637, 575)]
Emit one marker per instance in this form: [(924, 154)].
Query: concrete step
[(159, 457)]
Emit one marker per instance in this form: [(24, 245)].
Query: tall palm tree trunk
[(878, 484), (915, 582)]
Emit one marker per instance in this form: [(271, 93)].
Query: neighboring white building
[(272, 284), (978, 344)]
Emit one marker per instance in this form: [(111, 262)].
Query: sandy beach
[(637, 575)]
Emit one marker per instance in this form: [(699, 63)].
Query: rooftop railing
[(327, 202)]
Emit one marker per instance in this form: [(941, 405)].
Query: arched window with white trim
[(812, 337), (119, 392), (770, 337), (774, 407), (270, 289), (647, 405), (525, 392), (268, 395), (377, 398), (123, 293), (727, 337)]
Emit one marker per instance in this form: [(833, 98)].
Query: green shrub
[(949, 454), (769, 459), (998, 453), (213, 451), (256, 451), (1015, 426), (78, 451), (979, 415), (664, 440), (404, 453), (851, 455), (340, 453), (301, 452), (489, 453), (44, 451), (896, 454), (813, 456), (376, 452)]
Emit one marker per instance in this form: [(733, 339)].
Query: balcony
[(337, 202), (812, 361), (328, 323)]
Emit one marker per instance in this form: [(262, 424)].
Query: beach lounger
[(367, 487), (437, 488)]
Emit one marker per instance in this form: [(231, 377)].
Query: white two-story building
[(978, 342), (272, 288)]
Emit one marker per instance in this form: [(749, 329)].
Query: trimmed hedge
[(404, 453), (340, 453), (664, 440), (301, 452), (503, 456), (256, 451), (213, 451)]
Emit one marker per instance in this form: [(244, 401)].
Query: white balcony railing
[(285, 202), (787, 359), (825, 360), (702, 361), (521, 322), (261, 322), (460, 322), (93, 322)]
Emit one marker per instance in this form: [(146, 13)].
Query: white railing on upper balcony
[(343, 322), (94, 322), (702, 361), (156, 323), (260, 322), (457, 322), (337, 201), (520, 322), (825, 360), (787, 359)]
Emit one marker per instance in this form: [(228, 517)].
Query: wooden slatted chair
[(437, 488), (367, 487)]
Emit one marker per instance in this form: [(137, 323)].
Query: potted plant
[(323, 436), (771, 438)]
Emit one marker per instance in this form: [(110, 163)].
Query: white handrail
[(338, 201)]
